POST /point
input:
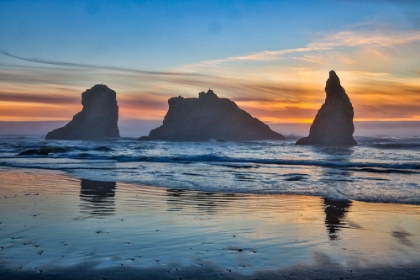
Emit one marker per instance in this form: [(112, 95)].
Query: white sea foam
[(379, 169)]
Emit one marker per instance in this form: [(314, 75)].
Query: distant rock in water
[(33, 152), (97, 120), (333, 125), (209, 117)]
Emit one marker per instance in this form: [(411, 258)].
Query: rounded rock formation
[(97, 120)]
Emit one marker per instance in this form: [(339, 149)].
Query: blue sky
[(272, 57), (159, 35)]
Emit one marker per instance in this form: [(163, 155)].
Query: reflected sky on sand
[(51, 220), (203, 202)]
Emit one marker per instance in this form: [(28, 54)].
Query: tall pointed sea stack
[(333, 125), (97, 120), (209, 117)]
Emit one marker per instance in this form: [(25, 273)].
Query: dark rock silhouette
[(333, 125), (97, 120), (33, 152), (209, 117), (97, 198), (335, 214)]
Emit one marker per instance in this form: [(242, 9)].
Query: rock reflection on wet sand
[(97, 198), (335, 213), (49, 220)]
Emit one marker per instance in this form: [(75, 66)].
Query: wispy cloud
[(275, 91), (258, 56), (38, 98), (143, 102), (96, 67), (326, 42), (355, 39)]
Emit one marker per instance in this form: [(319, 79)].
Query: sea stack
[(209, 117), (97, 120), (333, 125)]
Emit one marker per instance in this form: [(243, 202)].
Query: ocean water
[(226, 210), (382, 169)]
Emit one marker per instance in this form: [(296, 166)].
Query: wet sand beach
[(56, 226)]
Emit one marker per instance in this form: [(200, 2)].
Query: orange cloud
[(271, 102), (22, 111), (145, 107), (38, 98)]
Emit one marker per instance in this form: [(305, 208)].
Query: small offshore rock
[(33, 152)]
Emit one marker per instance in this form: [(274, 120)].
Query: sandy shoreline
[(80, 229), (325, 271)]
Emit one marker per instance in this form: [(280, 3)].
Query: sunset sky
[(271, 57)]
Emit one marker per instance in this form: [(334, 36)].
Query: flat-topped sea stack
[(209, 117), (97, 120), (333, 125)]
